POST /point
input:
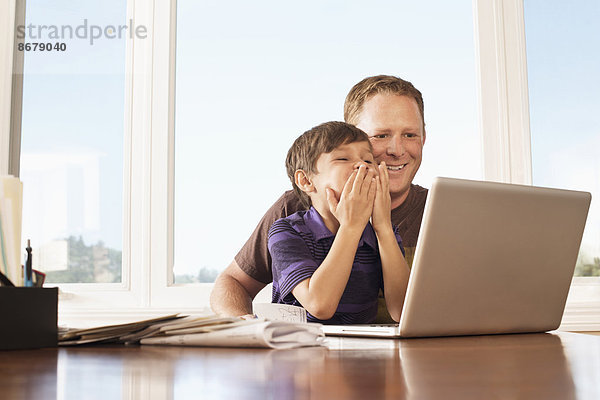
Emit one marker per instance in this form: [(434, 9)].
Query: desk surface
[(533, 366)]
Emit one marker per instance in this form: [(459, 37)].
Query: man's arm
[(233, 292)]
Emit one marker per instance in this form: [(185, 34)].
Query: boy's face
[(334, 168)]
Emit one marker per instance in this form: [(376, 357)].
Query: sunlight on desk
[(545, 366)]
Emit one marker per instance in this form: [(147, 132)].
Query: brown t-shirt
[(254, 257)]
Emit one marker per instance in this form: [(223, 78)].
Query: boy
[(330, 259)]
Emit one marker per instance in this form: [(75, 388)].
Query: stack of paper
[(109, 333), (11, 204), (201, 331), (244, 333)]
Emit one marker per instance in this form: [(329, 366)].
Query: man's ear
[(303, 181)]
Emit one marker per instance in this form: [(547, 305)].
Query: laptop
[(491, 258)]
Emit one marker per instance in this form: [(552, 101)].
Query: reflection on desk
[(544, 366)]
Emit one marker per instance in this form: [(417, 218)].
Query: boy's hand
[(355, 205), (382, 208)]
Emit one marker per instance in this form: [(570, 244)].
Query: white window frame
[(147, 287), (12, 12), (148, 177)]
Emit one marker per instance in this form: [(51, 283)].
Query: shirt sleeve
[(254, 258), (291, 257)]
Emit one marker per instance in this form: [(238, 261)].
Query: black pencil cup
[(28, 317)]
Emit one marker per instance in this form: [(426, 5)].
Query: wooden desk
[(534, 366)]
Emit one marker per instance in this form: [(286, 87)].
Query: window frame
[(147, 288), (12, 13)]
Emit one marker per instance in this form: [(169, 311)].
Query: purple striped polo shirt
[(299, 243)]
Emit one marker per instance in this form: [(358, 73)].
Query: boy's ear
[(303, 181)]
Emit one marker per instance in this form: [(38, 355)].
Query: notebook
[(491, 258)]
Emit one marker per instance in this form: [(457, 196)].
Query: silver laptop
[(491, 258)]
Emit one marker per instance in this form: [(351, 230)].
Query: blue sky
[(73, 105), (563, 58)]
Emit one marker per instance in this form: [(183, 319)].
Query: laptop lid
[(493, 258)]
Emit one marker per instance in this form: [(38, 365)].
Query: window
[(72, 139), (564, 96), (249, 81), (288, 70)]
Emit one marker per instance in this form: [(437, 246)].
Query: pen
[(28, 271)]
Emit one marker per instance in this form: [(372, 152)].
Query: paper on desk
[(202, 328), (257, 333), (182, 325), (280, 312), (132, 332), (195, 321), (109, 333)]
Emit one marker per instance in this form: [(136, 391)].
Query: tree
[(588, 269), (88, 264)]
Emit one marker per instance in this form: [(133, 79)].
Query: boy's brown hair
[(369, 87), (321, 139)]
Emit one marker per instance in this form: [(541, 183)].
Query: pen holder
[(28, 317)]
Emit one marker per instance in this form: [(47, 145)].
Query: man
[(390, 110)]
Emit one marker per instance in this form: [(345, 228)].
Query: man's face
[(396, 131), (334, 168)]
